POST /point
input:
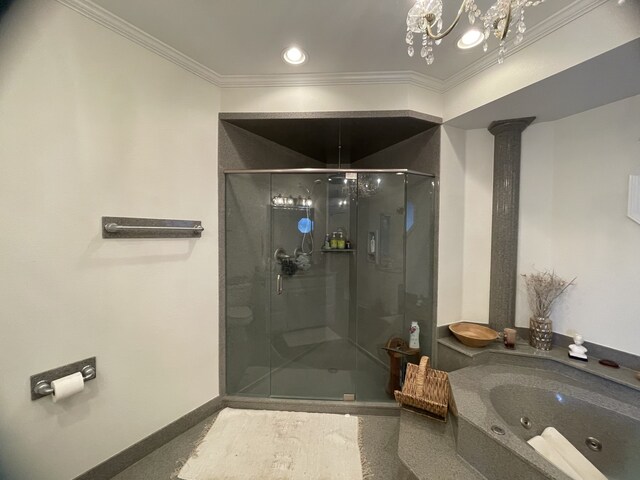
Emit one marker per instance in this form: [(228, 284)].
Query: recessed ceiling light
[(294, 56), (470, 39)]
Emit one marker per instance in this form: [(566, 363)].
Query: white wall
[(451, 225), (92, 125), (536, 209), (478, 187), (327, 98), (589, 234)]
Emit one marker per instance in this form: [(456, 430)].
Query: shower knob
[(280, 254)]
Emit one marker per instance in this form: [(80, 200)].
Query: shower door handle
[(279, 284)]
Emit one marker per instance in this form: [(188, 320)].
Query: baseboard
[(127, 457)]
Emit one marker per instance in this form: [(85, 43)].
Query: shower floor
[(325, 371)]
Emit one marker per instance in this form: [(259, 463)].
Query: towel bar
[(114, 227), (124, 227)]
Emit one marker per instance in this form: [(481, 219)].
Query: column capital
[(515, 125)]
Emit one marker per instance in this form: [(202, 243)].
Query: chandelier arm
[(439, 36), (506, 25)]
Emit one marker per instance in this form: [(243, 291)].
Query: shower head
[(316, 182)]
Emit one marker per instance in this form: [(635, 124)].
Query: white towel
[(573, 457), (547, 451)]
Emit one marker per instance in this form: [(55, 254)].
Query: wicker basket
[(425, 389)]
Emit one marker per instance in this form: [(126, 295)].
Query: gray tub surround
[(428, 448), (504, 225), (579, 406), (453, 355)]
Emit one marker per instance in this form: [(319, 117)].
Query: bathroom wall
[(92, 125), (327, 98), (478, 197), (581, 206), (451, 225), (573, 204)]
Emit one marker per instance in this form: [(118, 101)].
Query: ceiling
[(233, 37), (575, 89)]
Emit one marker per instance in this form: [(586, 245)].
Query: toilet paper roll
[(67, 386)]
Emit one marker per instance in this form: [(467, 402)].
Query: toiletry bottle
[(327, 242), (334, 240), (347, 244), (341, 241), (414, 335)]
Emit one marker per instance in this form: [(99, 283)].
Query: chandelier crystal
[(502, 19)]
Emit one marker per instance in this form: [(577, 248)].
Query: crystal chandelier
[(501, 19)]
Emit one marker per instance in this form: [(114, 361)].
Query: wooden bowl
[(473, 335)]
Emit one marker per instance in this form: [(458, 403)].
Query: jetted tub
[(501, 406)]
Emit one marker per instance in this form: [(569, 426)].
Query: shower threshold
[(308, 377)]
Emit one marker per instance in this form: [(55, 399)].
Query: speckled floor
[(379, 445)]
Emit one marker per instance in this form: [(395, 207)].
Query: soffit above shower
[(318, 138)]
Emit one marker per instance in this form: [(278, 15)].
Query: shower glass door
[(313, 353), (303, 321)]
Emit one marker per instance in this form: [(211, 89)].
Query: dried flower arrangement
[(543, 288)]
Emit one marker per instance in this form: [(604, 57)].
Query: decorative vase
[(540, 333)]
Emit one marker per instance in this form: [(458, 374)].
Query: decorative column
[(504, 225)]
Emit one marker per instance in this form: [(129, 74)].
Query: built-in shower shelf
[(338, 250), (292, 207)]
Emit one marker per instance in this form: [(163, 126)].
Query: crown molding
[(352, 78), (111, 21), (549, 25), (107, 19)]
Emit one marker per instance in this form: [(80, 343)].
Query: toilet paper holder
[(41, 382)]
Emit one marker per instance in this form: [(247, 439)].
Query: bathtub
[(498, 407)]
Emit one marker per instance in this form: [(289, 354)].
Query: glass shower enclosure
[(324, 268)]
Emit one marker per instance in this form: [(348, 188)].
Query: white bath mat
[(309, 336), (271, 445)]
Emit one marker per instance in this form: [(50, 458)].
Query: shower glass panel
[(247, 232), (312, 355), (420, 231), (304, 321), (380, 278)]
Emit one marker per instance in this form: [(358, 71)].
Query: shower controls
[(280, 254), (288, 266)]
